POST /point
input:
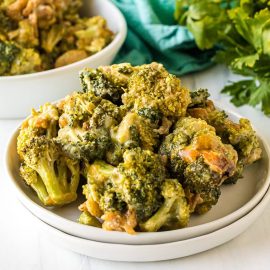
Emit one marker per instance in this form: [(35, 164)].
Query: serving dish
[(242, 198), (158, 252), (32, 90)]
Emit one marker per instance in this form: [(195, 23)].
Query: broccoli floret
[(53, 176), (135, 131), (151, 86), (102, 200), (27, 61), (244, 139), (100, 192), (198, 98), (8, 53), (43, 122), (153, 115), (174, 211), (50, 38), (85, 124), (198, 158), (131, 189), (79, 143), (93, 34), (202, 186), (72, 8), (143, 174), (114, 154), (107, 82), (77, 108), (87, 219), (240, 135), (86, 109), (26, 35), (106, 115), (6, 24)]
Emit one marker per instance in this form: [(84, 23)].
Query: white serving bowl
[(235, 201), (18, 94), (157, 252)]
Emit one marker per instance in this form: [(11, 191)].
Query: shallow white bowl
[(158, 252), (235, 201), (18, 94)]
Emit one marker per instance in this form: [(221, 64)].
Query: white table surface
[(23, 246)]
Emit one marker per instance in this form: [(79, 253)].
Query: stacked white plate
[(238, 207)]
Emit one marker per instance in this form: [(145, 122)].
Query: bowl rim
[(233, 216), (118, 40)]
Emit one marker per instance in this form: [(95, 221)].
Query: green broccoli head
[(174, 211), (93, 34), (50, 38), (103, 201), (85, 125), (87, 219), (6, 23), (27, 61), (8, 53), (149, 113), (133, 131), (198, 98), (244, 139), (43, 122), (240, 135), (107, 82), (130, 189), (202, 186), (72, 8), (89, 110), (142, 174), (26, 35), (77, 108), (199, 159), (106, 115), (53, 176), (82, 144), (151, 86), (246, 143)]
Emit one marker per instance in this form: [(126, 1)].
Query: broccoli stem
[(41, 191), (99, 171), (53, 183), (62, 175), (160, 218), (87, 219), (74, 168)]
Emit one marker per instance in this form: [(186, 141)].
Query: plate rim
[(247, 220)]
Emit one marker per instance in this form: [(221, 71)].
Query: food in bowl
[(147, 151), (41, 35)]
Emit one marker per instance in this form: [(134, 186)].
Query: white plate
[(158, 252), (235, 201)]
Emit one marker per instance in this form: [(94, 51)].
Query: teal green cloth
[(153, 35)]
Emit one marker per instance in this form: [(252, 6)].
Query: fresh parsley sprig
[(240, 30)]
